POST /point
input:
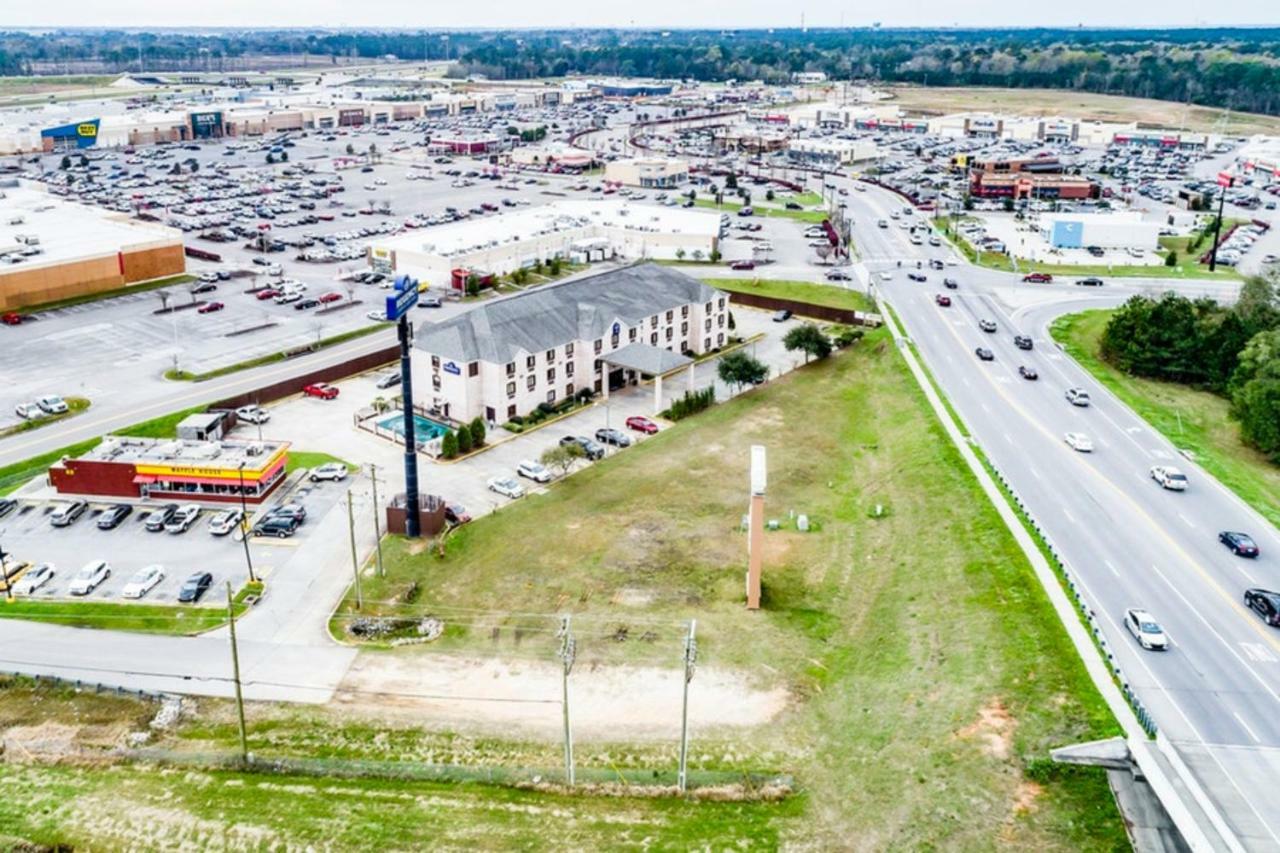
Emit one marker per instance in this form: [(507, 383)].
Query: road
[(1132, 544)]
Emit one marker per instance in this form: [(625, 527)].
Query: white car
[(89, 577), (1145, 629), (1170, 478), (28, 411), (1078, 397), (534, 471), (52, 404), (225, 522), (253, 414), (329, 471), (506, 486), (1078, 441), (183, 518), (34, 578), (143, 581)]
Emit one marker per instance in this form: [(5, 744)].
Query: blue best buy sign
[(81, 134)]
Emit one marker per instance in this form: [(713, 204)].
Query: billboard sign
[(403, 298)]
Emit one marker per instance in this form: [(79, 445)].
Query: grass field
[(1085, 105), (802, 291), (928, 682), (1195, 420), (763, 209), (139, 618), (312, 459)]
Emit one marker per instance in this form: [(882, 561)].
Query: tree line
[(1232, 351), (1223, 67)]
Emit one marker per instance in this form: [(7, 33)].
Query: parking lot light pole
[(244, 525), (4, 573)]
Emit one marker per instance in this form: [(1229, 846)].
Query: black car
[(1022, 342), (7, 505), (1091, 281), (160, 516), (1241, 544), (305, 304), (1028, 373), (984, 354), (781, 316), (950, 283), (194, 587), (917, 276), (297, 512), (1265, 603), (279, 526), (590, 449), (617, 438), (111, 519), (791, 205)]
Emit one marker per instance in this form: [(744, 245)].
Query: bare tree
[(824, 252), (165, 296), (350, 287)]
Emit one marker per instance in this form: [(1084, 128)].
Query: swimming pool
[(424, 429)]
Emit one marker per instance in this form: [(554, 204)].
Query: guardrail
[(81, 684)]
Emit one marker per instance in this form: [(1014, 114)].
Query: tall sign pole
[(567, 654), (399, 302), (1225, 182), (755, 526), (690, 661)]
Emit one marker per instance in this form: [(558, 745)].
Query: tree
[(731, 181), (680, 254), (65, 163), (351, 149), (1171, 259), (449, 445), (284, 156), (768, 195), (714, 257), (271, 158), (473, 285), (1257, 407), (809, 339), (562, 456), (477, 432), (824, 252), (738, 368), (464, 440), (697, 254)]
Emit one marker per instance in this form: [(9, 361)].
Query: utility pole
[(355, 561), (690, 659), (235, 675), (377, 526), (4, 573), (244, 520), (568, 651)]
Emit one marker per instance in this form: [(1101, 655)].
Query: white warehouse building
[(507, 356), (579, 231), (1121, 230)]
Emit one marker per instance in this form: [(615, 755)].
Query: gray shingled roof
[(647, 359), (545, 317)]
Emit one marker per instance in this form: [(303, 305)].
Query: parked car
[(51, 404), (456, 514), (612, 436), (326, 298), (266, 293), (1038, 278), (323, 390), (837, 275), (194, 587), (781, 316), (1265, 603), (253, 414), (430, 302), (110, 519), (295, 511), (7, 505), (506, 486), (742, 265), (1078, 397), (210, 307), (307, 304), (1079, 442), (590, 449), (388, 379), (1028, 373), (984, 354), (226, 521), (29, 411), (182, 519), (90, 576), (329, 471), (142, 582), (1023, 342), (1143, 626), (534, 471), (160, 516), (66, 514), (34, 578), (639, 423), (1169, 477), (1241, 544), (279, 526)]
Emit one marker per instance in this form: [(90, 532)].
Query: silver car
[(506, 486)]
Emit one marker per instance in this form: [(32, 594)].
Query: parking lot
[(28, 536)]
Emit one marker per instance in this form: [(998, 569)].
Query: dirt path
[(617, 702)]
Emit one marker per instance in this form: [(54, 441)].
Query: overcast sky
[(640, 13)]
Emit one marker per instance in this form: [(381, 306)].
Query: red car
[(267, 293), (742, 265), (11, 319), (331, 297), (943, 300), (210, 307), (456, 514), (641, 424), (323, 390), (1038, 277)]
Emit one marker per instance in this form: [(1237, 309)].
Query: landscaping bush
[(477, 432), (691, 403), (464, 440), (449, 445), (1171, 259), (846, 336)]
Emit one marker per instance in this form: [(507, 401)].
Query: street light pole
[(4, 573), (244, 525)]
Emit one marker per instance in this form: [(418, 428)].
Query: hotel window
[(631, 335), (551, 355), (511, 411), (706, 343), (435, 362), (721, 303), (720, 320), (707, 324), (684, 310), (613, 340), (653, 339), (720, 339), (551, 396), (533, 380), (568, 390), (599, 364), (670, 315), (669, 333), (568, 369), (473, 369), (684, 329), (435, 381), (653, 321), (511, 389), (707, 307), (599, 345), (551, 374), (511, 368), (568, 350), (530, 362)]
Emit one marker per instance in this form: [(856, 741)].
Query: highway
[(1215, 694)]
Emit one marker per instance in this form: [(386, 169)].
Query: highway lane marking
[(1111, 566), (1071, 518), (1034, 472), (1244, 572), (1008, 438), (1188, 522), (1246, 726), (1258, 652)]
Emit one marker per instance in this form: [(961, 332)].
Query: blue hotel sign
[(450, 367), (403, 298)]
